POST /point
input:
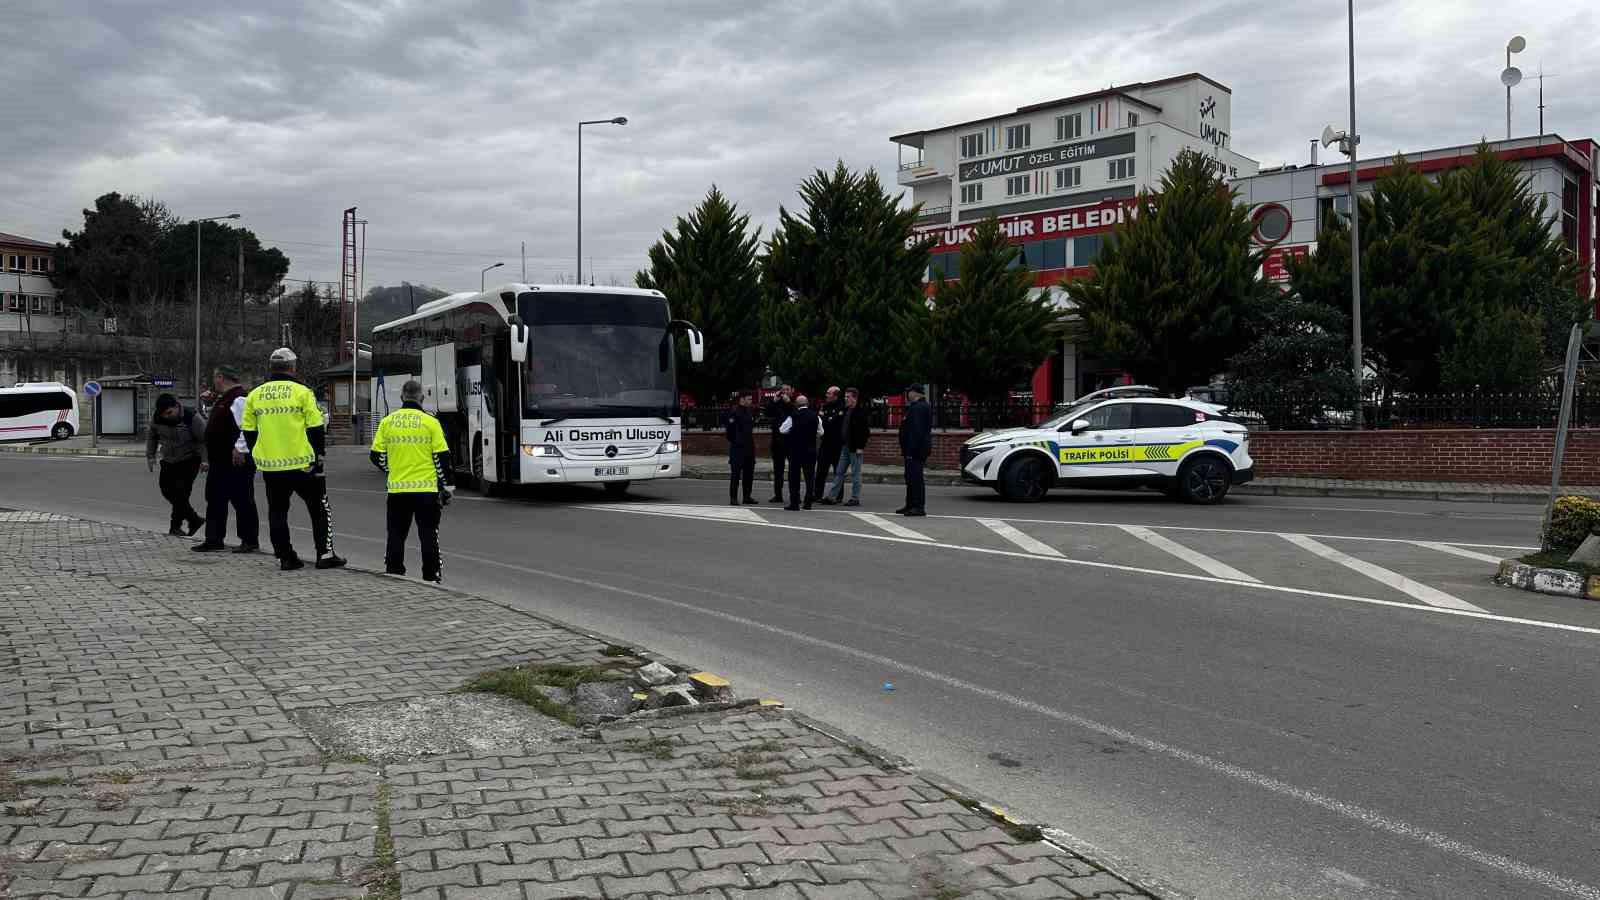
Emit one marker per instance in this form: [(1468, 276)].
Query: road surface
[(1277, 697)]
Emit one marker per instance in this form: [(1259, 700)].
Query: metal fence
[(946, 416)]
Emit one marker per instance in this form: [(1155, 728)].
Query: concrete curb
[(1558, 582), (47, 450)]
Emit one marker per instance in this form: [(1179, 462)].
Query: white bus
[(37, 410), (544, 384)]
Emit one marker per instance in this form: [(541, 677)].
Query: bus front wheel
[(484, 486), (61, 432)]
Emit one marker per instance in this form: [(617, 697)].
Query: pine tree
[(839, 278), (1297, 367), (707, 267), (989, 331), (1172, 288)]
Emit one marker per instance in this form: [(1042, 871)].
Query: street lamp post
[(486, 272), (1355, 228), (619, 120), (198, 387)]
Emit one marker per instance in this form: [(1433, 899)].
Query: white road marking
[(1160, 527), (1457, 551), (1185, 576), (1417, 589), (1193, 557), (721, 513), (894, 528), (1370, 818), (1026, 542)]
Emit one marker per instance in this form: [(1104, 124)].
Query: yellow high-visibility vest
[(279, 412)]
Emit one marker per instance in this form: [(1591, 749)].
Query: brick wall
[(1482, 455)]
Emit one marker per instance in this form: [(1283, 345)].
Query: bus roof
[(495, 297)]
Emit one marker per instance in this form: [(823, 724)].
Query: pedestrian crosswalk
[(1392, 571)]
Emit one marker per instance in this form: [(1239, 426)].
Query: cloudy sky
[(450, 123)]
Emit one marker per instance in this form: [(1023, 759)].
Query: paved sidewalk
[(160, 736)]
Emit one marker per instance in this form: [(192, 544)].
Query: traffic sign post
[(91, 389)]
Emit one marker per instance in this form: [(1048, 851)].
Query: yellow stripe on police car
[(1085, 455)]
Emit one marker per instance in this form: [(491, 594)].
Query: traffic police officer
[(410, 447), (284, 430)]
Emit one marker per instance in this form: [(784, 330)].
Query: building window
[(61, 308), (38, 305), (1272, 223), (39, 263), (1051, 254), (972, 145), (1017, 186), (1120, 169), (1069, 127), (16, 263), (1085, 249), (1018, 137), (1569, 213), (11, 303), (1069, 177), (972, 193), (1133, 119), (944, 265), (1327, 206)]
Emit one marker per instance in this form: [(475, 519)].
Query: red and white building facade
[(1289, 204), (1059, 175)]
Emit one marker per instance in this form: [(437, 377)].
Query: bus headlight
[(541, 451), (668, 447)]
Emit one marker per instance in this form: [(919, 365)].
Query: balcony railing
[(931, 213)]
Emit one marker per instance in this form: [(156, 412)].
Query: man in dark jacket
[(857, 431), (777, 412), (740, 425), (832, 414), (232, 479), (916, 443), (800, 432), (181, 437)]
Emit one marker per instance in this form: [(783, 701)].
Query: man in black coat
[(740, 424), (916, 443), (832, 413), (800, 432), (777, 412)]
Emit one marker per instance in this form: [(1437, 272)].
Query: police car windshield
[(598, 356), (1067, 415)]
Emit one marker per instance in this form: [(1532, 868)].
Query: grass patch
[(657, 748), (1557, 560), (523, 682), (616, 650), (120, 776), (381, 877), (52, 781)]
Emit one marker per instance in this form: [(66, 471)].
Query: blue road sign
[(91, 389)]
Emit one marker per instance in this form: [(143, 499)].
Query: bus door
[(504, 399)]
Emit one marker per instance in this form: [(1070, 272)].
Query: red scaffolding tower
[(349, 279)]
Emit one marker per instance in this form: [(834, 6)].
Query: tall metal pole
[(1355, 230), (580, 204), (196, 381), (1570, 377), (1508, 96)]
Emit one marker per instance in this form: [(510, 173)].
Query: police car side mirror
[(1080, 425)]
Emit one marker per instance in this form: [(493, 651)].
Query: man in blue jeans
[(856, 432)]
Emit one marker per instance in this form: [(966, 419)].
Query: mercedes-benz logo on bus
[(611, 451)]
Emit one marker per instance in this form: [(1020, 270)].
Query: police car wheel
[(1204, 480), (61, 432), (1025, 480)]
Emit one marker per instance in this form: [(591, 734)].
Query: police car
[(1188, 449)]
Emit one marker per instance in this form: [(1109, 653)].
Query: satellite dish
[(1331, 137), (1517, 44), (1511, 77)]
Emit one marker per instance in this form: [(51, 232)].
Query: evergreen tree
[(1170, 291), (840, 279), (1297, 367), (707, 267), (988, 330)]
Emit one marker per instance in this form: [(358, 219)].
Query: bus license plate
[(610, 470)]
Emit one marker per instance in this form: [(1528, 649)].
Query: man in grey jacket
[(180, 435)]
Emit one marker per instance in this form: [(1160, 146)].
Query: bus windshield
[(598, 356)]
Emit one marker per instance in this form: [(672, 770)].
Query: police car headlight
[(668, 447), (541, 450)]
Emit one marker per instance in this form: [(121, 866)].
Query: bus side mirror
[(519, 340), (697, 346)]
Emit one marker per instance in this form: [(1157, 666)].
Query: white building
[(28, 300), (1058, 175)]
